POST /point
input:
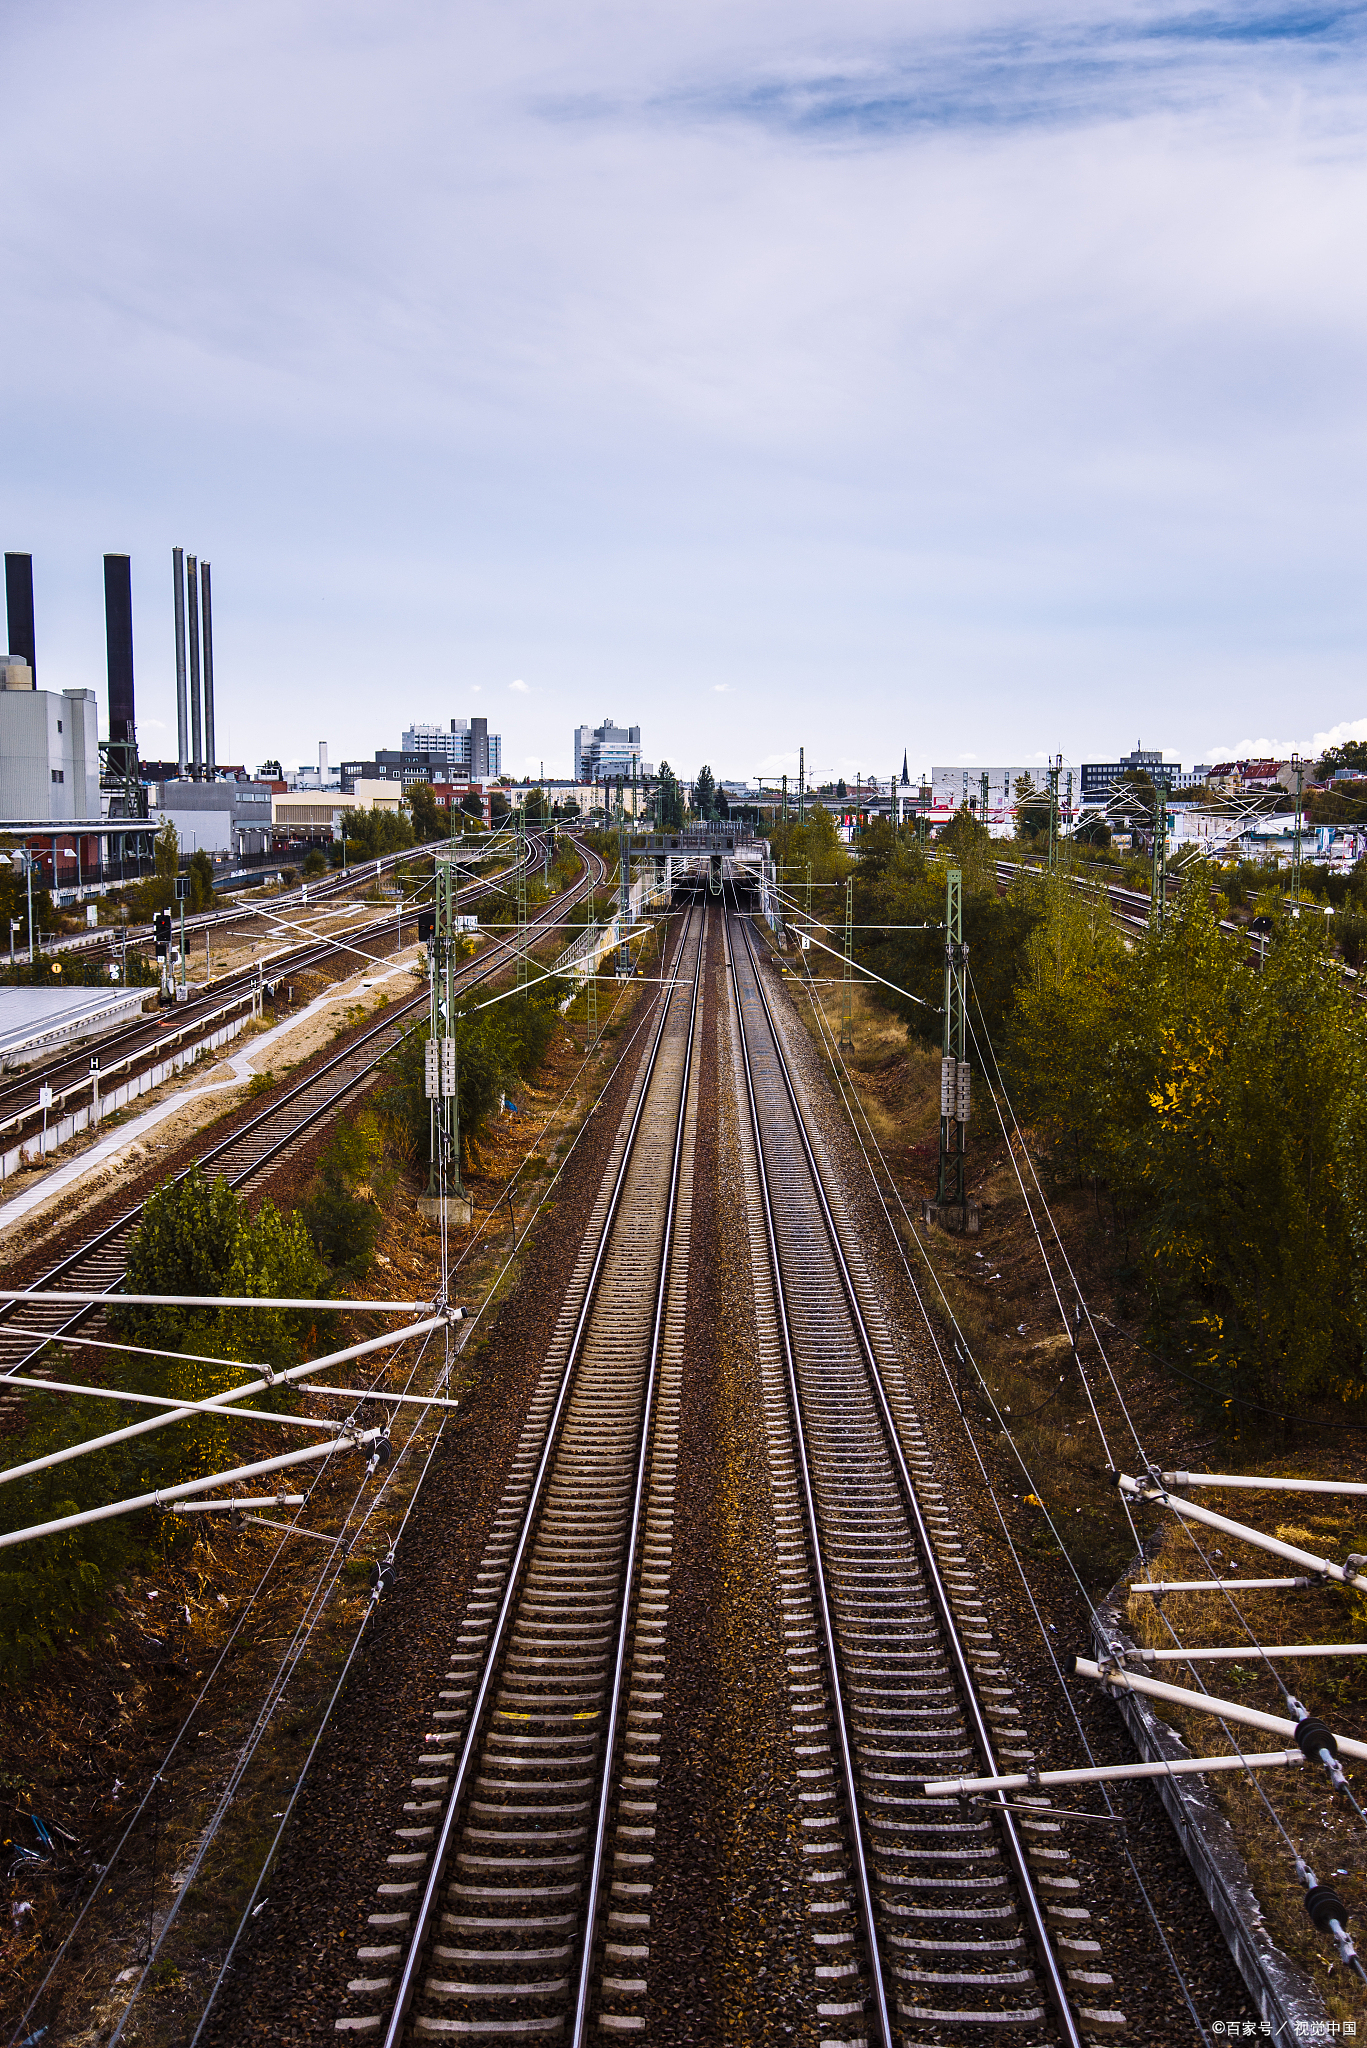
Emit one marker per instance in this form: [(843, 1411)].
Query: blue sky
[(982, 380)]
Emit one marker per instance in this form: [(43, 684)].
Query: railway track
[(517, 1897), (67, 1071), (97, 1265), (932, 1921), (528, 1835)]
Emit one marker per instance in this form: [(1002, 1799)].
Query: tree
[(201, 880), (671, 800), (705, 793), (1352, 754), (343, 1212), (372, 833), (429, 822), (160, 888), (197, 1237)]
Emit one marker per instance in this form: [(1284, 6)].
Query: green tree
[(159, 890), (344, 1212), (705, 793), (671, 800), (1352, 754), (196, 1236), (371, 833), (201, 872), (429, 820)]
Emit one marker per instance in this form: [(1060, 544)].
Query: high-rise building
[(466, 744), (603, 752)]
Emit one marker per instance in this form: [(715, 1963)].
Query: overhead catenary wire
[(850, 1097), (1292, 1701)]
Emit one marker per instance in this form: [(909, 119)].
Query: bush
[(316, 864), (343, 1212), (496, 1045)]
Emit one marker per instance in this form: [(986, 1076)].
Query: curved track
[(67, 1070), (929, 1915), (97, 1264), (545, 1752)]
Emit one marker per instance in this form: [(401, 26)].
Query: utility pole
[(623, 886), (441, 1071), (982, 797), (1160, 854), (847, 989), (1054, 767), (1068, 820), (1299, 766), (520, 869), (182, 891), (802, 785), (785, 799), (955, 1084)]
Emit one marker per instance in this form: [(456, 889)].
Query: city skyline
[(992, 378)]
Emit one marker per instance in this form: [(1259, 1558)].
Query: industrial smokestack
[(208, 624), (19, 608), (182, 711), (192, 594), (118, 633)]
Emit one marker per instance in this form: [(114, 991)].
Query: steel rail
[(478, 971), (408, 1980), (141, 1033), (633, 1538), (982, 1736), (851, 1786)]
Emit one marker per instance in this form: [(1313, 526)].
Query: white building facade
[(49, 750)]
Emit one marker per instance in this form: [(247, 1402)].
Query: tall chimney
[(210, 760), (19, 608), (182, 709), (118, 633), (192, 595)]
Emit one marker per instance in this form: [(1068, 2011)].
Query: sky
[(983, 380)]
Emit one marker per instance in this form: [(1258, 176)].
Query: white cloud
[(973, 373), (1267, 749), (520, 687)]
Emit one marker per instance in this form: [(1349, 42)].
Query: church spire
[(906, 779)]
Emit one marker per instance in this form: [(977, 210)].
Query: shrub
[(343, 1212)]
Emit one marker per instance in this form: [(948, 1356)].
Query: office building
[(603, 752), (465, 744), (1099, 778)]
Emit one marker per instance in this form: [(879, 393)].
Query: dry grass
[(1001, 1297)]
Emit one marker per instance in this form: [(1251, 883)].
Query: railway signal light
[(161, 932)]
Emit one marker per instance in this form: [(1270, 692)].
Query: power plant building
[(49, 750)]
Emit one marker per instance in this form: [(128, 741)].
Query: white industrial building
[(49, 749), (216, 817)]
